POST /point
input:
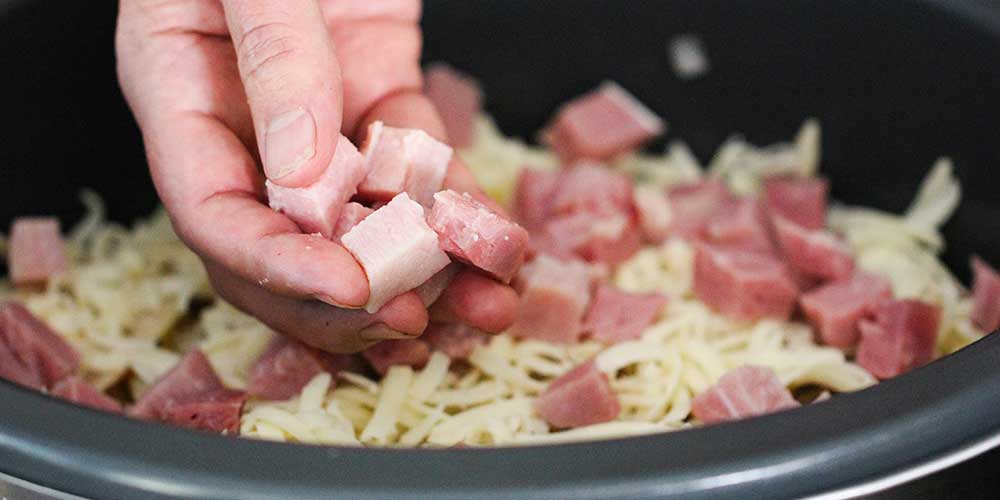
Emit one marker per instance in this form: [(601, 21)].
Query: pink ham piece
[(616, 315), (740, 224), (581, 396), (835, 309), (352, 214), (430, 290), (652, 212), (476, 235), (532, 204), (76, 390), (744, 392), (594, 189), (693, 205), (403, 160), (813, 253), (396, 248), (985, 296), (286, 366), (455, 340), (457, 98), (404, 352), (35, 252), (191, 395), (743, 285), (31, 354), (609, 239), (900, 338), (600, 125), (799, 199), (554, 298), (316, 208)]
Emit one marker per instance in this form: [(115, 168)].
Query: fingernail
[(378, 331), (334, 302), (289, 141)]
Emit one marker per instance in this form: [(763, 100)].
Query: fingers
[(477, 301), (292, 81)]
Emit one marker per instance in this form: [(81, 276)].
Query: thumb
[(292, 81)]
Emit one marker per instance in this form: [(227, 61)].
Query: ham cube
[(403, 160), (740, 224), (455, 340), (396, 248), (594, 189), (653, 213), (404, 352), (554, 298), (693, 205), (533, 195), (580, 397), (458, 100), (744, 392), (600, 125), (217, 411), (76, 390), (902, 337), (35, 252), (31, 354), (985, 296), (286, 366), (799, 199), (616, 315), (813, 253), (743, 285), (350, 216), (835, 309), (431, 290), (476, 235), (609, 239), (316, 208)]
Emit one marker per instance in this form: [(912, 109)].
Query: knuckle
[(264, 52)]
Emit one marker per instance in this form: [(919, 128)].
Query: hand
[(221, 87)]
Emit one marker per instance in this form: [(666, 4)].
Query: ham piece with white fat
[(744, 392), (403, 160), (801, 200), (901, 337), (609, 239), (814, 253), (458, 99), (396, 248), (286, 366), (739, 224), (476, 235), (77, 390), (591, 188), (652, 212), (316, 208), (455, 340), (35, 252), (31, 354), (616, 315), (581, 396), (693, 205), (985, 296), (431, 290), (532, 204), (352, 214), (600, 125), (554, 297), (743, 285), (835, 308), (404, 352)]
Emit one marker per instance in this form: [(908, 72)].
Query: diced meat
[(476, 235), (533, 196), (740, 224), (388, 353), (457, 98), (594, 189), (835, 308), (76, 390), (396, 248), (743, 285), (432, 289), (554, 298), (350, 216), (609, 239), (799, 199), (985, 296), (403, 160), (31, 354), (581, 396), (316, 208), (455, 340), (286, 366), (901, 337), (744, 392), (616, 315), (600, 125), (35, 252), (653, 213), (813, 253), (217, 411), (693, 205)]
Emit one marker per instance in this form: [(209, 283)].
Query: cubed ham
[(35, 252), (350, 216), (388, 353), (835, 308), (740, 224), (581, 396), (600, 125), (217, 411), (743, 285), (985, 296), (616, 315), (403, 160), (609, 239), (396, 248), (594, 189), (31, 354), (653, 213), (744, 392), (316, 208), (814, 253), (77, 390), (476, 235), (533, 196), (286, 366), (902, 337), (430, 290), (455, 340), (693, 205), (554, 298), (458, 100), (801, 200)]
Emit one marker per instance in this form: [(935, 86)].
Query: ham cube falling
[(600, 125), (476, 235), (616, 315), (458, 99), (350, 216), (403, 352), (554, 298), (799, 199), (835, 309), (745, 392), (77, 390), (813, 253), (396, 248), (900, 338), (985, 296), (286, 366), (582, 396), (743, 285), (316, 208), (31, 354), (35, 253), (403, 160)]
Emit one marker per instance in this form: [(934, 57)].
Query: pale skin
[(229, 92)]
